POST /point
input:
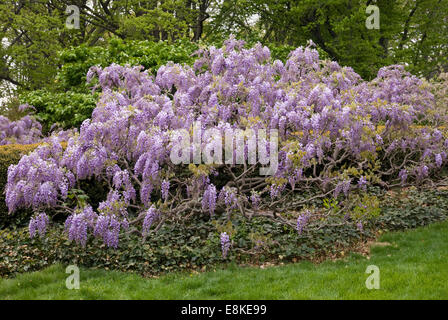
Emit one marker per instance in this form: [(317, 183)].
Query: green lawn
[(414, 266)]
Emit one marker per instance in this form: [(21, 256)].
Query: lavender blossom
[(302, 221), (150, 217), (165, 189), (209, 199), (38, 224), (225, 244)]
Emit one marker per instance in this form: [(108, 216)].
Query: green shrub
[(192, 246), (412, 208), (66, 109)]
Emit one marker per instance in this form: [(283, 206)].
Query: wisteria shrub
[(337, 136)]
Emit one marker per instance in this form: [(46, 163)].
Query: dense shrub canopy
[(337, 135)]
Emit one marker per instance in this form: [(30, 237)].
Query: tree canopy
[(34, 33)]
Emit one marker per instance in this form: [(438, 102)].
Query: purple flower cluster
[(255, 200), (302, 221), (225, 244), (165, 189), (209, 199), (108, 228), (24, 131), (38, 180), (344, 187), (229, 197), (78, 224), (330, 122), (360, 226), (362, 183), (151, 215), (38, 224)]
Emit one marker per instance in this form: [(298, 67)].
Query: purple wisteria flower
[(275, 190), (23, 131), (225, 244), (255, 200), (228, 195), (209, 199), (165, 189), (38, 224), (360, 226), (302, 221), (150, 216), (439, 160), (108, 228), (362, 183), (78, 224), (403, 175)]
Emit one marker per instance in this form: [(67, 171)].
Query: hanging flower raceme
[(78, 224), (165, 189), (151, 216), (229, 197), (302, 221), (38, 224), (225, 244), (38, 180), (209, 199)]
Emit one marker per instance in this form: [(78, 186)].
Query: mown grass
[(413, 266)]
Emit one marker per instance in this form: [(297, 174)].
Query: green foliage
[(412, 259), (10, 110), (439, 87), (366, 207), (33, 32), (173, 248), (66, 109), (412, 208), (411, 32), (169, 19), (195, 244)]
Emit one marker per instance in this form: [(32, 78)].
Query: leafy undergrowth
[(194, 245), (412, 264)]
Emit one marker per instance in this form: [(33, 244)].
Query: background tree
[(37, 48), (412, 32)]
